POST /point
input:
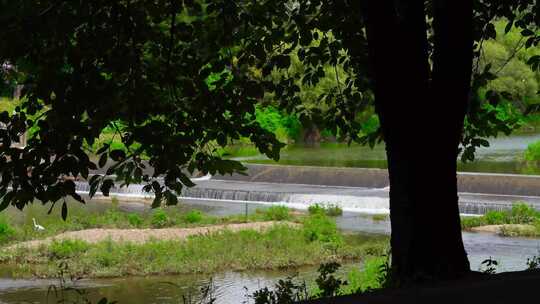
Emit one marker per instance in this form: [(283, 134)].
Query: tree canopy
[(177, 79)]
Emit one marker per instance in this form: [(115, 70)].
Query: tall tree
[(421, 106), (175, 79)]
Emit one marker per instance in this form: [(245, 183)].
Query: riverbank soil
[(509, 287), (140, 236)]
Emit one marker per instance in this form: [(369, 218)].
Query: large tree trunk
[(422, 115)]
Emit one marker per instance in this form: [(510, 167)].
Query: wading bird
[(37, 227)]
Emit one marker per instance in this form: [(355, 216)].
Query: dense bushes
[(67, 249), (533, 152), (285, 127), (6, 232), (318, 227), (276, 213)]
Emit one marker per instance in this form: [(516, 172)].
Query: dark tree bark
[(421, 110)]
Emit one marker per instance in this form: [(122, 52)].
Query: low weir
[(353, 189)]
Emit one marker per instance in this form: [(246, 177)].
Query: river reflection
[(230, 287), (504, 155)]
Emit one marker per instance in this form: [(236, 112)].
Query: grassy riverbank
[(522, 220), (16, 226), (314, 240), (275, 248)]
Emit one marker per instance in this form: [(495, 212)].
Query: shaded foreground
[(509, 287)]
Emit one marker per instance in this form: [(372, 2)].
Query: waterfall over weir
[(298, 196)]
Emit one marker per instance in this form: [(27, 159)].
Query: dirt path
[(140, 236)]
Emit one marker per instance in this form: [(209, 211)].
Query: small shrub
[(372, 276), (333, 210), (105, 256), (329, 209), (327, 284), (495, 218), (319, 227), (277, 213), (518, 230), (533, 152), (160, 219), (285, 291), (523, 214), (112, 217), (135, 220), (67, 248), (489, 266), (533, 263), (6, 232), (473, 221), (193, 216), (316, 209)]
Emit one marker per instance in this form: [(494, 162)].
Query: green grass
[(193, 216), (6, 231), (521, 230), (67, 249), (380, 217), (276, 248), (327, 209), (367, 278), (521, 213), (532, 154), (16, 226), (319, 227), (276, 213), (522, 220)]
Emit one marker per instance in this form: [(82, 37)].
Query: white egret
[(37, 227)]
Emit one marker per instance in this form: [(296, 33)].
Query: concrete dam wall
[(487, 183)]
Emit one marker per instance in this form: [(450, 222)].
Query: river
[(230, 287), (504, 155)]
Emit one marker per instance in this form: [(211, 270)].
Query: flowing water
[(229, 287), (504, 156)]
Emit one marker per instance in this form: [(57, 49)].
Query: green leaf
[(102, 160), (117, 155), (490, 31), (103, 149), (185, 180), (508, 27), (64, 211), (282, 61), (527, 32), (157, 201), (4, 204), (106, 186), (172, 200)]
